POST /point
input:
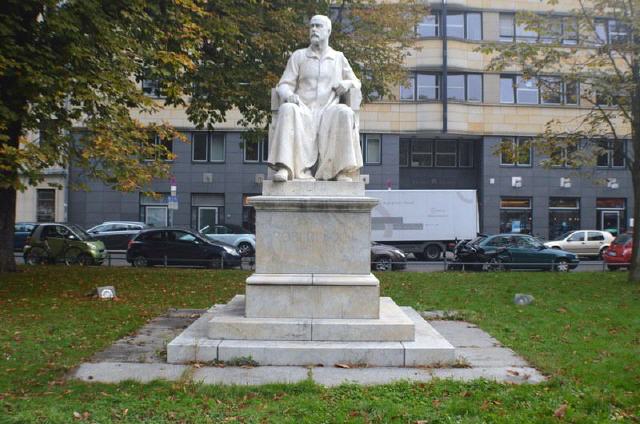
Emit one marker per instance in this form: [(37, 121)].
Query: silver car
[(243, 240), (592, 243)]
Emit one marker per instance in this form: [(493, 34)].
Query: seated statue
[(315, 136)]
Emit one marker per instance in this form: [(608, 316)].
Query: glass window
[(465, 154), (429, 27), (507, 26), (474, 26), (264, 147), (199, 146), (515, 151), (571, 92), (507, 89), (168, 145), (613, 154), (455, 25), (594, 236), (579, 236), (445, 153), (553, 33), (217, 147), (421, 153), (427, 87), (569, 30), (515, 215), (564, 216), (407, 92), (251, 151), (550, 90), (474, 87), (525, 34), (45, 205), (601, 32), (527, 90), (405, 150), (618, 32), (455, 87), (617, 159), (152, 88), (373, 149)]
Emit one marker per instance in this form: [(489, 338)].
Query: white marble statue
[(313, 130)]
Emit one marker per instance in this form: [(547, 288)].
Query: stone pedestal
[(313, 252), (312, 298)]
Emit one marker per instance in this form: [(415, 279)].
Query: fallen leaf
[(513, 372), (561, 310), (436, 403), (342, 366), (77, 415), (561, 411)]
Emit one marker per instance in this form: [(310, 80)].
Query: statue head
[(319, 29)]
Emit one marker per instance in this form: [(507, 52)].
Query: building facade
[(447, 129)]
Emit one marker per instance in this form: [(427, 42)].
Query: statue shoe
[(306, 175), (281, 175)]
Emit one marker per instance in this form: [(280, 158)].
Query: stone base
[(312, 296), (230, 323), (194, 345)]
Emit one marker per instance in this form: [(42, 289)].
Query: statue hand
[(293, 99), (342, 87)]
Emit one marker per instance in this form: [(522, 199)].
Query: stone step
[(230, 323), (428, 348)]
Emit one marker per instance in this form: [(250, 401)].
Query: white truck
[(424, 222)]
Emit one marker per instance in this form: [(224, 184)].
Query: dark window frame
[(564, 93), (465, 22), (364, 147), (210, 137), (609, 154), (263, 151), (516, 146)]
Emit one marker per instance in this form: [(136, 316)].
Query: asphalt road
[(117, 259)]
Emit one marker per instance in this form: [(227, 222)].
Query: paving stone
[(463, 334), (115, 372), (250, 376), (491, 357)]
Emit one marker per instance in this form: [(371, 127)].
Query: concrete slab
[(250, 376), (428, 347), (115, 372), (493, 362), (463, 334)]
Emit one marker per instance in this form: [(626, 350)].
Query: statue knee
[(288, 108)]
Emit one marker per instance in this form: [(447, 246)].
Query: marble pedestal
[(312, 298)]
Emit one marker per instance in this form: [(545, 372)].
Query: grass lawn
[(583, 331)]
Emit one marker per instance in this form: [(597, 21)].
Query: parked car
[(22, 230), (522, 251), (172, 246), (241, 238), (589, 243), (385, 257), (68, 243), (618, 255), (116, 234)]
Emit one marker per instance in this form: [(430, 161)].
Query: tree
[(596, 46), (73, 64)]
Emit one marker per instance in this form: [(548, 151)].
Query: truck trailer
[(424, 222)]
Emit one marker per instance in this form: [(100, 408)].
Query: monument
[(312, 298)]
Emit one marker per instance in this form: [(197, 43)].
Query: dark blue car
[(22, 231)]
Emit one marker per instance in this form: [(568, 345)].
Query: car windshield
[(622, 239), (563, 236), (80, 233), (477, 240)]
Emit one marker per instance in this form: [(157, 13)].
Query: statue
[(313, 130)]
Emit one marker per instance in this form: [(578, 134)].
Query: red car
[(618, 255)]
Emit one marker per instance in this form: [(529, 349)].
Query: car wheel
[(432, 252), (35, 256), (562, 265), (602, 253), (383, 263), (71, 256), (140, 262), (84, 260), (245, 249), (493, 264)]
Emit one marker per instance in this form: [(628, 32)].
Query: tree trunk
[(634, 268), (7, 224)]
